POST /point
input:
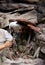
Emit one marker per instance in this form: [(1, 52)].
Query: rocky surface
[(22, 61), (32, 0), (34, 13)]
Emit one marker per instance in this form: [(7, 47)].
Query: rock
[(3, 20), (42, 53), (41, 37), (21, 61), (31, 16), (5, 7), (39, 61), (31, 1), (40, 13)]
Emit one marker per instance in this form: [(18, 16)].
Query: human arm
[(8, 40), (6, 44)]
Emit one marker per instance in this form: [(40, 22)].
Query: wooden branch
[(28, 23)]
